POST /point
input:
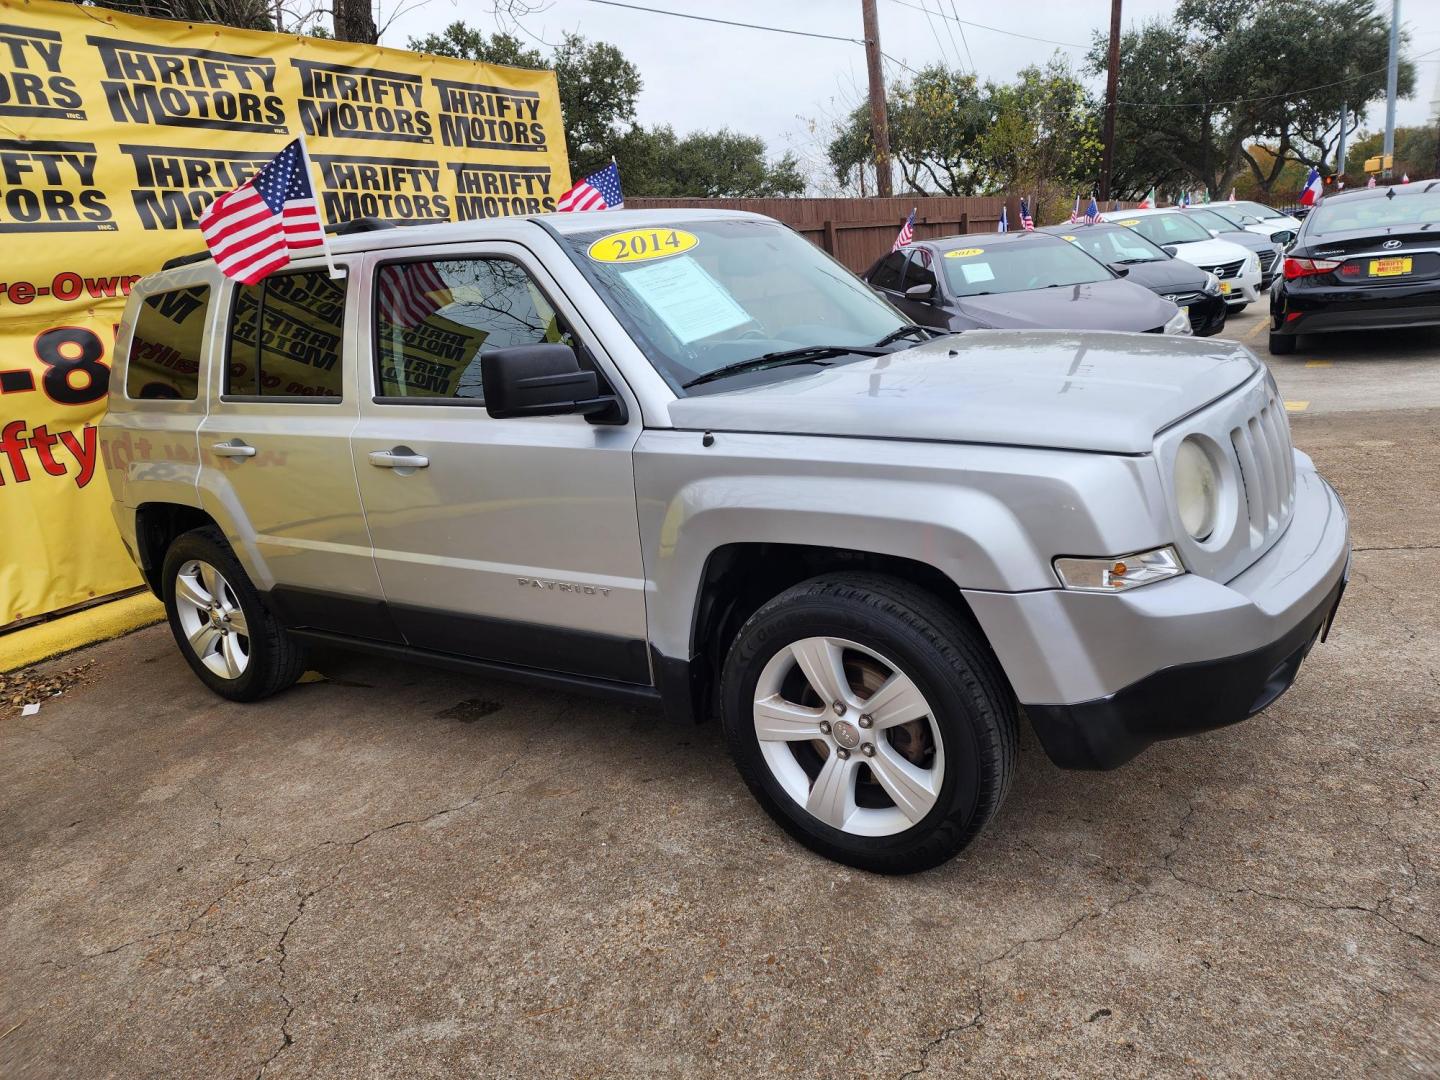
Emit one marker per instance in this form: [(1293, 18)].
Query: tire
[(242, 654), (1282, 344), (880, 627)]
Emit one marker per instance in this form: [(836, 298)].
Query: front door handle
[(402, 457), (233, 448)]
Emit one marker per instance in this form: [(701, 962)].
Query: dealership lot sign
[(115, 134)]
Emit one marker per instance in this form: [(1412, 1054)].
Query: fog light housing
[(1119, 573)]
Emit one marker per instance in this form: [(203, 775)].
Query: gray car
[(685, 458)]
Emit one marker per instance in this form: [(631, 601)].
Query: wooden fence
[(859, 231)]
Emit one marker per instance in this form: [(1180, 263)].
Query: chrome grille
[(1227, 270), (1267, 466), (1185, 299), (1267, 260)]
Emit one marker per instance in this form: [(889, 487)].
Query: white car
[(1237, 268), (1259, 219)]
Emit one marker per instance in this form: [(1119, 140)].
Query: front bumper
[(1244, 288), (1102, 677)]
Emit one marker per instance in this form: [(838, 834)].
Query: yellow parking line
[(1318, 363), (1296, 406)]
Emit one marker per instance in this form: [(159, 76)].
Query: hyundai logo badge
[(1391, 244)]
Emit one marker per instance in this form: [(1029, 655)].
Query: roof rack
[(359, 225), (342, 228)]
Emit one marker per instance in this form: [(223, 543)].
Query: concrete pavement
[(397, 872)]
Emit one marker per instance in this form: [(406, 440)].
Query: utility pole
[(879, 124), (1391, 79), (1340, 153), (1112, 83)]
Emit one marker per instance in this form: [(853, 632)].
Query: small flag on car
[(1004, 225), (1232, 194), (1370, 182), (1026, 221), (907, 232), (252, 230), (1148, 202), (598, 191), (1075, 214), (1092, 212), (1312, 189)]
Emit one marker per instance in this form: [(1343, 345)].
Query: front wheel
[(869, 721), (223, 629)]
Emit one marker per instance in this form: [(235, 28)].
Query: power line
[(955, 11), (993, 29), (1267, 97), (729, 22)]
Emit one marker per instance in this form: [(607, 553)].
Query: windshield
[(701, 295), (1208, 219), (1018, 266), (1165, 229), (1260, 210), (1116, 245), (1238, 218), (1342, 215)]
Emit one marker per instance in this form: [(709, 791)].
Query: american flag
[(907, 232), (409, 293), (252, 230), (598, 191), (1092, 212), (1026, 221), (1075, 214)]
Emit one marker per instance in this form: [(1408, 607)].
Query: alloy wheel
[(212, 620)]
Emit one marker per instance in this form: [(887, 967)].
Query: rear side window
[(887, 274), (165, 348), (435, 319), (285, 337)]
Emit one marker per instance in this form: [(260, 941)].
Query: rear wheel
[(222, 627), (1282, 344), (869, 721)]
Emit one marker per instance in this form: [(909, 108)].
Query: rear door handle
[(233, 448), (402, 457)]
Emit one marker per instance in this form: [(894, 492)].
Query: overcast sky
[(784, 88)]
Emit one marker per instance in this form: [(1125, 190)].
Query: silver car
[(683, 457)]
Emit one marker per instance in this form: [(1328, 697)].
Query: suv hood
[(1208, 253), (1046, 388)]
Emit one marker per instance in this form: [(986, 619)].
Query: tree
[(706, 164), (1415, 149), (598, 85), (1198, 89), (241, 14), (354, 21)]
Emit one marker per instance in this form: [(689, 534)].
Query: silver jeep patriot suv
[(685, 457)]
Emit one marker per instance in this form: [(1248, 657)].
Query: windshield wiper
[(906, 331), (807, 354)]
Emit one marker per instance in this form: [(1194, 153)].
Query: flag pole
[(319, 208)]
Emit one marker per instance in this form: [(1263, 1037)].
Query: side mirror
[(1120, 271), (1170, 249), (544, 380), (1214, 232), (920, 292)]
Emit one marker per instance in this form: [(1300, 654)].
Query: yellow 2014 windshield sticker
[(1070, 238), (641, 245), (1130, 221), (964, 253)]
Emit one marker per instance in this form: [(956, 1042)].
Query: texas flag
[(1313, 187)]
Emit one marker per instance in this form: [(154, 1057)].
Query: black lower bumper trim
[(1183, 700)]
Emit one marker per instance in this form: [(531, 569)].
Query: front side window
[(698, 296), (917, 271), (285, 337), (435, 319), (1018, 266), (1168, 229), (166, 347)]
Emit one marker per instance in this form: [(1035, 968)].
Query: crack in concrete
[(1401, 547), (975, 1022)]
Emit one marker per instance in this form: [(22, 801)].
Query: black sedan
[(1196, 292), (1015, 281), (1364, 259), (1266, 250)]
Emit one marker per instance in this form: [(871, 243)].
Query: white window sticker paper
[(688, 300), (977, 272)]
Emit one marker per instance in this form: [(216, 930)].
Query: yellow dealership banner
[(115, 133)]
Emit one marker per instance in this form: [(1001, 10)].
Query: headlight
[(1197, 489), (1252, 262), (1212, 283), (1120, 573), (1179, 324)]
